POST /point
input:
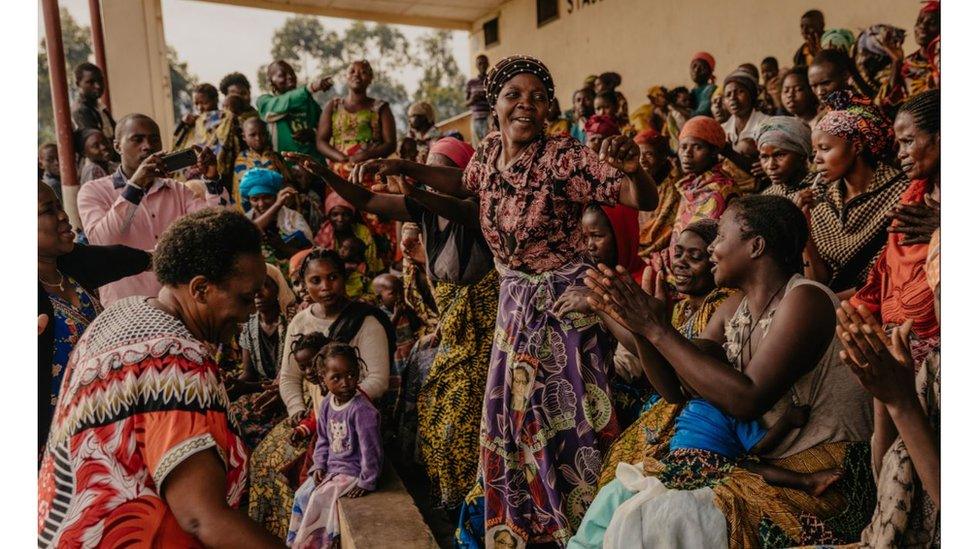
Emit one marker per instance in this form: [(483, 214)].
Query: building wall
[(138, 72), (651, 41)]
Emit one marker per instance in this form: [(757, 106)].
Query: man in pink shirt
[(138, 202)]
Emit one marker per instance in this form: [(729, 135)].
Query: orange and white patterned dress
[(140, 396)]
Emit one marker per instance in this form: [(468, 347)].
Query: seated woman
[(694, 281), (341, 221), (784, 152), (778, 349), (895, 288), (334, 314), (855, 189), (905, 445), (157, 463), (285, 230), (257, 404), (68, 276)]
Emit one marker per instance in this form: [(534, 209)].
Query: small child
[(304, 349), (348, 457), (47, 162), (352, 251), (257, 153), (407, 326), (212, 127), (703, 427), (96, 155)]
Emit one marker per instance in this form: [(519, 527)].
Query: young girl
[(96, 155), (257, 153), (348, 455)]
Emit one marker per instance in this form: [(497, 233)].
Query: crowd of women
[(709, 321)]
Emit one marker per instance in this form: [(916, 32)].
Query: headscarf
[(424, 108), (855, 119), (837, 39), (511, 66), (873, 38), (706, 57), (257, 181), (656, 91), (626, 233), (589, 81), (458, 151), (745, 79), (333, 200), (705, 128), (931, 6), (295, 263), (285, 296), (649, 136), (787, 133), (602, 125)]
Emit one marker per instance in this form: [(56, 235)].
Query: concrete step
[(384, 518)]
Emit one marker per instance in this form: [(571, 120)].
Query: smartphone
[(176, 161)]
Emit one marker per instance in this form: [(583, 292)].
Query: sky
[(243, 35)]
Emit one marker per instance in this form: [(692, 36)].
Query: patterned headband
[(508, 68)]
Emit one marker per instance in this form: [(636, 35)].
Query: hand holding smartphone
[(176, 161)]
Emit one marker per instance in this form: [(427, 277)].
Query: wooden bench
[(384, 518)]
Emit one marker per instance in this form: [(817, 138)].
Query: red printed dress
[(140, 396)]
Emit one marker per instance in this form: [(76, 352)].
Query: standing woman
[(855, 189), (547, 416), (354, 129), (67, 277)]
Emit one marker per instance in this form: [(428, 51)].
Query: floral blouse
[(69, 324), (531, 211)]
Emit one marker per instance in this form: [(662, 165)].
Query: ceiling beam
[(379, 17)]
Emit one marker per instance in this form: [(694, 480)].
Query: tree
[(315, 52), (77, 50), (182, 82), (442, 84)]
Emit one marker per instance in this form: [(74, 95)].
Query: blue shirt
[(702, 426), (703, 99)]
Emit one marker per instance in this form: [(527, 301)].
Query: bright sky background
[(193, 28)]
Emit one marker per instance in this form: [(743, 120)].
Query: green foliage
[(182, 82), (315, 52), (77, 50), (442, 84)]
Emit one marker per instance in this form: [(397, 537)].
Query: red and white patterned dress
[(140, 396)]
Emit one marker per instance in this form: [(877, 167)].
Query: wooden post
[(98, 42), (62, 109)]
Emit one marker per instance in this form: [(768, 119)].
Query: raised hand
[(321, 85), (572, 301), (306, 162), (206, 161), (883, 366), (621, 153), (150, 168)]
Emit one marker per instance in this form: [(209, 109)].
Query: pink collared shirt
[(114, 211)]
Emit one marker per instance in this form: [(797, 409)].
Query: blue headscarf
[(258, 181)]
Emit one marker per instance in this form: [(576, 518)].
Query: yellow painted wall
[(652, 41)]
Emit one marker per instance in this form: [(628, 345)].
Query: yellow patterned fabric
[(450, 401)]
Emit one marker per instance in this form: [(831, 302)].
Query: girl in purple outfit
[(348, 454)]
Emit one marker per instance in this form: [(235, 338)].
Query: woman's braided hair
[(322, 254), (780, 223), (925, 110)]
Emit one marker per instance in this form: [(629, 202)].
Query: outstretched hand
[(883, 365), (306, 162), (615, 293), (374, 171)]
